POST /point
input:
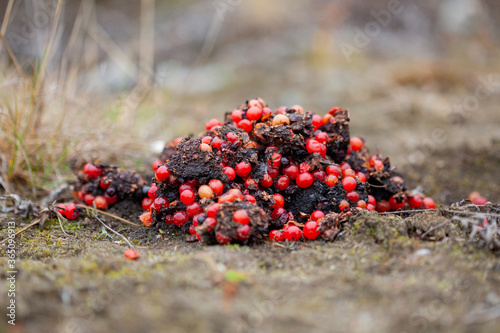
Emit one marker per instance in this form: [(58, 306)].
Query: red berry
[(146, 219), (159, 203), (479, 200), (100, 202), (217, 186), (371, 200), (222, 239), (245, 125), (254, 113), (230, 173), (277, 235), (292, 233), (232, 137), (311, 230), (225, 198), (186, 187), (213, 209), (266, 113), (277, 212), (273, 172), (282, 183), (152, 191), (72, 211), (331, 180), (169, 219), (131, 254), (291, 171), (61, 208), (212, 123), (316, 215), (180, 218), (396, 205), (362, 177), (370, 207), (217, 143), (235, 193), (361, 203), (429, 203), (356, 144), (243, 232), (267, 181), (205, 147), (319, 174), (251, 183), (275, 161), (156, 164), (304, 180), (187, 197), (344, 205), (313, 146), (105, 183), (383, 206), (210, 222), (146, 203), (348, 173), (206, 139), (317, 121), (89, 199), (191, 230), (353, 196), (111, 199), (415, 201), (241, 216), (379, 165), (334, 110), (349, 183), (193, 209), (243, 169), (322, 150), (279, 200), (237, 115), (254, 103), (162, 173), (249, 198), (333, 170), (345, 165), (322, 137), (92, 171), (304, 167)]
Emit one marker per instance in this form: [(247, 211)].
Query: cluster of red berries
[(103, 185), (286, 168)]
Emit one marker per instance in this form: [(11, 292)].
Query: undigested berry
[(310, 230)]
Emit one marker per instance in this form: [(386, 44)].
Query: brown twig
[(22, 230), (110, 229), (108, 214)]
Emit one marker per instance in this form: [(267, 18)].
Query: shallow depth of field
[(100, 80)]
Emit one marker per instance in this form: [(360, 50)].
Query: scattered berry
[(131, 254)]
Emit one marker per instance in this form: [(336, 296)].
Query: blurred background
[(114, 80)]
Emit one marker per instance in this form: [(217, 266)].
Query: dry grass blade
[(109, 214), (48, 49), (23, 229), (110, 229)]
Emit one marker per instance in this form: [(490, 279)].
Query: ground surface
[(377, 278), (407, 101)]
